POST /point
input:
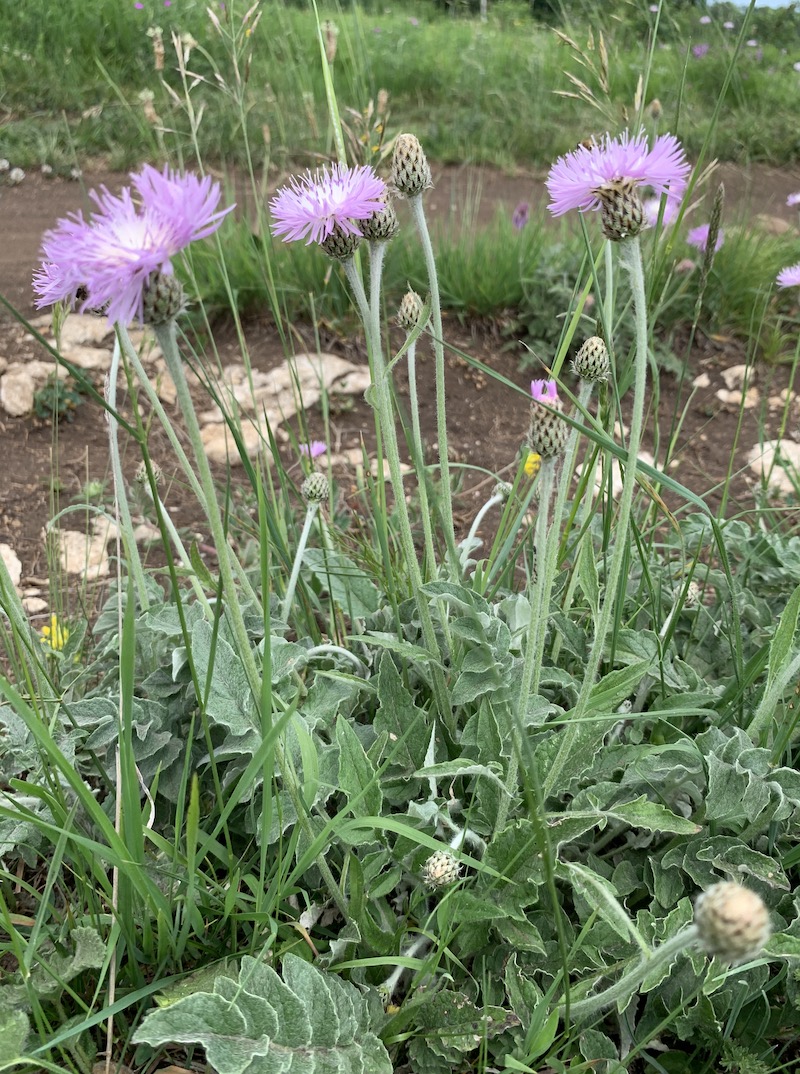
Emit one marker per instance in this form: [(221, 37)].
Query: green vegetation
[(347, 786)]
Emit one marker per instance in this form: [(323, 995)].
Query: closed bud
[(411, 173), (163, 299), (440, 870), (315, 488), (548, 433), (410, 311), (732, 922), (502, 490), (382, 225), (592, 361)]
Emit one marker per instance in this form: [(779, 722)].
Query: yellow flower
[(54, 635), (532, 463)]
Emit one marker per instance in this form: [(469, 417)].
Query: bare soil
[(44, 467)]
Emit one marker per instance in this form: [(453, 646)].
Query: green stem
[(286, 607), (576, 738), (383, 404), (167, 341), (419, 457), (418, 212), (549, 561), (535, 627), (120, 495), (629, 982), (152, 395)]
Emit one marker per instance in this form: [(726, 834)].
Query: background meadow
[(415, 752)]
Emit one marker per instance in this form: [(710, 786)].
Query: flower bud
[(502, 490), (340, 245), (441, 869), (163, 299), (621, 209), (732, 922), (410, 311), (411, 173), (382, 225), (548, 433), (315, 488), (693, 595), (592, 361)]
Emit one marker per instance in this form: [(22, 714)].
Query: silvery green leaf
[(460, 767), (602, 897), (642, 813), (229, 701), (399, 717), (357, 776), (349, 586), (14, 1029), (313, 1022)]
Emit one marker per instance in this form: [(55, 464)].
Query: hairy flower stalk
[(577, 737), (411, 176), (123, 510), (408, 317), (315, 491), (312, 208), (500, 494), (731, 923)]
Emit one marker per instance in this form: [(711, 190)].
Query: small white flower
[(16, 176)]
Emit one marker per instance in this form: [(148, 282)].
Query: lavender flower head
[(113, 256), (311, 206), (544, 391), (577, 179), (699, 51), (789, 277), (705, 20), (652, 210), (793, 199), (728, 25), (314, 449), (521, 215), (698, 237)]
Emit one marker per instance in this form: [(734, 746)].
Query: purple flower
[(112, 255), (312, 205), (575, 179), (752, 42), (699, 51), (793, 199), (728, 25), (139, 7), (654, 8), (413, 21), (705, 20), (521, 215), (544, 391), (789, 277), (652, 209), (698, 237), (314, 449)]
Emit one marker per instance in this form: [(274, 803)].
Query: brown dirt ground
[(487, 420)]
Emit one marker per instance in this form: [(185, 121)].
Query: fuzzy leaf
[(229, 698), (357, 772), (311, 1022), (348, 585), (651, 816), (14, 1028), (602, 897), (400, 718)]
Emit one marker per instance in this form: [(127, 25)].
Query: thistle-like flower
[(698, 237), (592, 361), (314, 449), (411, 173), (109, 261), (732, 922), (789, 277), (441, 869), (606, 175), (548, 433), (312, 206)]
